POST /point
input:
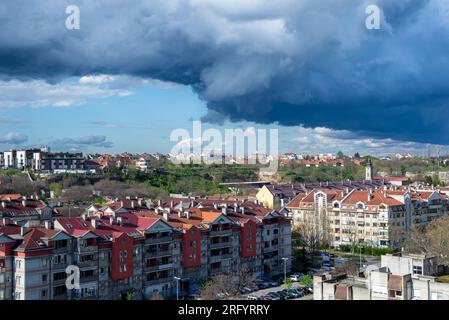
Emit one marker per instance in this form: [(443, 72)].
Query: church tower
[(369, 170)]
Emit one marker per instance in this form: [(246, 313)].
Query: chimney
[(159, 202), (120, 221), (24, 202), (187, 214), (133, 204), (94, 223), (181, 205), (171, 204), (111, 220), (166, 216), (5, 221), (22, 231), (156, 211), (140, 202), (236, 207), (223, 210), (3, 204), (121, 204), (215, 206), (370, 194), (242, 209), (179, 214), (83, 216)]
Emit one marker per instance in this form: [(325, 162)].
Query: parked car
[(289, 294), (266, 297), (263, 285), (274, 296), (298, 292), (283, 295), (295, 277), (293, 293), (252, 297), (273, 283)]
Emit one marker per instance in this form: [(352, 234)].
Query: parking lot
[(295, 285)]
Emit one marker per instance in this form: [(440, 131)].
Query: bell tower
[(369, 170)]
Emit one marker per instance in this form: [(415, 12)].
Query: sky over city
[(136, 70)]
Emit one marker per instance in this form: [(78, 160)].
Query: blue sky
[(137, 70)]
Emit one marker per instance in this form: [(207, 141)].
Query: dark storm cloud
[(304, 62)]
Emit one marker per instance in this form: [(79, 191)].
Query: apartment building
[(279, 195), (42, 160), (143, 250), (399, 277), (379, 217), (21, 210)]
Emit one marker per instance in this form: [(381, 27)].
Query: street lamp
[(285, 268), (177, 286)]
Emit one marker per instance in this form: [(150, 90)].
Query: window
[(44, 294), (59, 276), (44, 278), (44, 262), (417, 270)]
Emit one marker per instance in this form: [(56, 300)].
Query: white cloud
[(13, 138), (323, 139), (39, 93)]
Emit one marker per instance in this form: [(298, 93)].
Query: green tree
[(288, 283)]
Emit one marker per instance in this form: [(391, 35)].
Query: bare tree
[(431, 240), (222, 286)]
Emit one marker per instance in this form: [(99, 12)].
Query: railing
[(221, 244), (220, 257), (159, 239), (87, 249), (159, 253), (159, 267), (217, 233), (88, 279)]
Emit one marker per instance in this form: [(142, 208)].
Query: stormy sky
[(294, 63)]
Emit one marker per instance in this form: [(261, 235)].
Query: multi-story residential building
[(21, 210), (60, 161), (42, 160), (380, 217), (407, 277), (279, 195), (143, 250)]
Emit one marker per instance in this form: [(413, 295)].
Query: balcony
[(88, 279), (221, 244), (159, 253), (159, 267), (87, 249), (158, 239), (220, 257), (220, 232)]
